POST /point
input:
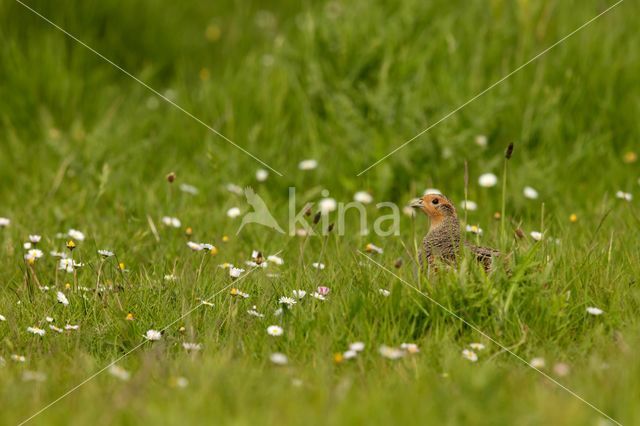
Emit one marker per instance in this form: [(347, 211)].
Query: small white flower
[(350, 354), (66, 264), (48, 319), (275, 259), (429, 191), (254, 312), (56, 329), (195, 246), (411, 348), (327, 205), (105, 253), (170, 277), (372, 248), (391, 353), (288, 301), (536, 235), (477, 346), (308, 164), (530, 193), (474, 229), (279, 358), (119, 372), (481, 141), (363, 197), (318, 296), (356, 346), (4, 222), (33, 254), (261, 175), (36, 330), (18, 358), (233, 212), (192, 347), (384, 292), (318, 265), (278, 312), (2, 318), (275, 330), (153, 335), (27, 245), (235, 272), (537, 363), (469, 205), (299, 294), (62, 298), (624, 195), (189, 189), (594, 311), (69, 327), (488, 180), (35, 239), (470, 355), (75, 234)]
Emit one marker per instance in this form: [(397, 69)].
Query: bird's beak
[(416, 203)]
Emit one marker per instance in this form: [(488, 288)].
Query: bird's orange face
[(436, 206)]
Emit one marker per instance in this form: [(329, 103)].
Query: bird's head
[(436, 206)]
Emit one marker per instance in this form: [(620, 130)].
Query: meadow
[(111, 317)]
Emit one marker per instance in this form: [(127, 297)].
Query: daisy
[(536, 235), (362, 197), (477, 346), (18, 358), (119, 372), (624, 196), (75, 234), (350, 354), (56, 329), (170, 277), (470, 355), (66, 264), (32, 255), (62, 298), (279, 358), (195, 246), (299, 294), (275, 330), (384, 292), (192, 347), (70, 327), (275, 259), (356, 346), (172, 221), (261, 175), (153, 335), (481, 141), (105, 253), (391, 353), (36, 330), (372, 248), (594, 311), (35, 239), (2, 318), (411, 348), (474, 229), (488, 180), (233, 212), (327, 205), (318, 296), (4, 222), (254, 312), (27, 246), (318, 265), (288, 301), (530, 193), (323, 290), (308, 164), (189, 189), (235, 272), (537, 363), (48, 319), (469, 205)]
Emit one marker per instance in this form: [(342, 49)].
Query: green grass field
[(85, 146)]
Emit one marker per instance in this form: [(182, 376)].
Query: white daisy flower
[(411, 348), (48, 319), (624, 196), (429, 191), (299, 294), (530, 193), (36, 330), (372, 248), (235, 272), (60, 296), (70, 327), (384, 292), (350, 354), (189, 189), (33, 254), (275, 330), (537, 363), (594, 311), (66, 264), (327, 205), (318, 296), (308, 164), (75, 234), (477, 346), (35, 239), (4, 222), (26, 245), (474, 229), (470, 355), (119, 373), (172, 221), (170, 277), (356, 346), (153, 335), (487, 180), (391, 353), (536, 235), (275, 259), (105, 253), (469, 205), (362, 197), (318, 265), (481, 141), (254, 312), (233, 212), (261, 175), (2, 318), (18, 358), (195, 246), (56, 329), (279, 358), (288, 301), (191, 347)]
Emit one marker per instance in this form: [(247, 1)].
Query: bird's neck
[(451, 223)]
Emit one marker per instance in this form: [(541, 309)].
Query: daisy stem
[(503, 217), (98, 278)]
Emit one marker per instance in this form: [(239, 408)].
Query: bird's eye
[(434, 201)]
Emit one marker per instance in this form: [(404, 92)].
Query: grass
[(84, 146)]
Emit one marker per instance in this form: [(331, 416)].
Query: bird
[(261, 214), (442, 241)]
